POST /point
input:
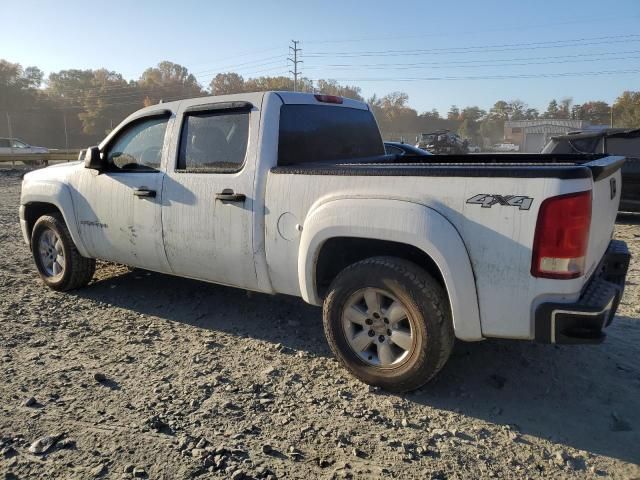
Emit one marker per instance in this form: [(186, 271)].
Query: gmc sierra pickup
[(292, 193)]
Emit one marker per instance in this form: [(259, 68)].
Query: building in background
[(533, 135)]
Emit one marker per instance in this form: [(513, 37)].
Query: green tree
[(553, 111), (517, 109), (453, 113), (499, 111), (100, 111)]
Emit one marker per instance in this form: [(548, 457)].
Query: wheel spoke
[(395, 313), (355, 315), (58, 246), (402, 338), (56, 268), (361, 341), (385, 355), (372, 299)]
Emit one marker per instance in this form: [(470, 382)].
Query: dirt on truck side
[(143, 375)]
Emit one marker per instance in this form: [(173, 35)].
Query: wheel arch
[(42, 198), (346, 229)]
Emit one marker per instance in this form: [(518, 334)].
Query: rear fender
[(397, 221)]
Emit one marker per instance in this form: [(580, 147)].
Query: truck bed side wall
[(498, 239)]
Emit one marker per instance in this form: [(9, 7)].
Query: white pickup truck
[(291, 193)]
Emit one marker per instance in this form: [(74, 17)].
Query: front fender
[(397, 221), (58, 194)]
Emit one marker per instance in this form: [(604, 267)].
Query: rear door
[(208, 194)]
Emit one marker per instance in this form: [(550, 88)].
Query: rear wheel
[(57, 259), (389, 322)]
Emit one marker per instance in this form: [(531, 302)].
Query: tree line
[(75, 108)]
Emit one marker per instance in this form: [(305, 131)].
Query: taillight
[(562, 236), (328, 98)]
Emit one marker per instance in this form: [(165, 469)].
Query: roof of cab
[(255, 97)]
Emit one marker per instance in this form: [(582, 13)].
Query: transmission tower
[(295, 52)]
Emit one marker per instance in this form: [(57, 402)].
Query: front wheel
[(57, 259), (389, 323)]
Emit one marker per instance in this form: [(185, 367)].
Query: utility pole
[(13, 162), (611, 112), (66, 134), (295, 50)]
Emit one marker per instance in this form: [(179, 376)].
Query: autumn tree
[(227, 83), (626, 110), (168, 81), (332, 87)]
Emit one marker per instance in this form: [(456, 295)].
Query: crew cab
[(292, 193)]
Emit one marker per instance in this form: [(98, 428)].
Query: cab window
[(213, 141), (138, 147)]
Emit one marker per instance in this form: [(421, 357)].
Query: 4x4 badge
[(487, 201)]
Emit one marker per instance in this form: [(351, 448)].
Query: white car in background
[(14, 148), (506, 147)]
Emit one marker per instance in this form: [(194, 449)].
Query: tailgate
[(604, 207)]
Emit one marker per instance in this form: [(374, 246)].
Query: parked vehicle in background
[(292, 193), (14, 147), (614, 141), (442, 142), (399, 148), (474, 148), (506, 147)]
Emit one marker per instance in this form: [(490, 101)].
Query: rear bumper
[(585, 320)]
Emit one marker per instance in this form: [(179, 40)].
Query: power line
[(472, 62), (436, 66), (579, 42), (491, 77), (295, 63), (518, 28)]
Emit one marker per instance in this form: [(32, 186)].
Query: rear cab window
[(322, 134), (213, 141)]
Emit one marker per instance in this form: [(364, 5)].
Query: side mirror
[(93, 159)]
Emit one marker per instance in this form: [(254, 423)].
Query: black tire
[(78, 270), (425, 301)]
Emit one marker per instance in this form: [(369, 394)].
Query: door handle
[(144, 192), (227, 195)]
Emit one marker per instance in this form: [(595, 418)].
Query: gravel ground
[(151, 376)]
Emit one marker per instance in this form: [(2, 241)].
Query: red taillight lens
[(328, 98), (562, 236)]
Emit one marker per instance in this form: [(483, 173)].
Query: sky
[(467, 52)]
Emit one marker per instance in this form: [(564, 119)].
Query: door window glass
[(213, 142), (18, 144), (138, 146)]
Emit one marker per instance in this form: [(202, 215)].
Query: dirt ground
[(151, 376)]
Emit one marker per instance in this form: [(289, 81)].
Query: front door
[(207, 208), (119, 210)]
